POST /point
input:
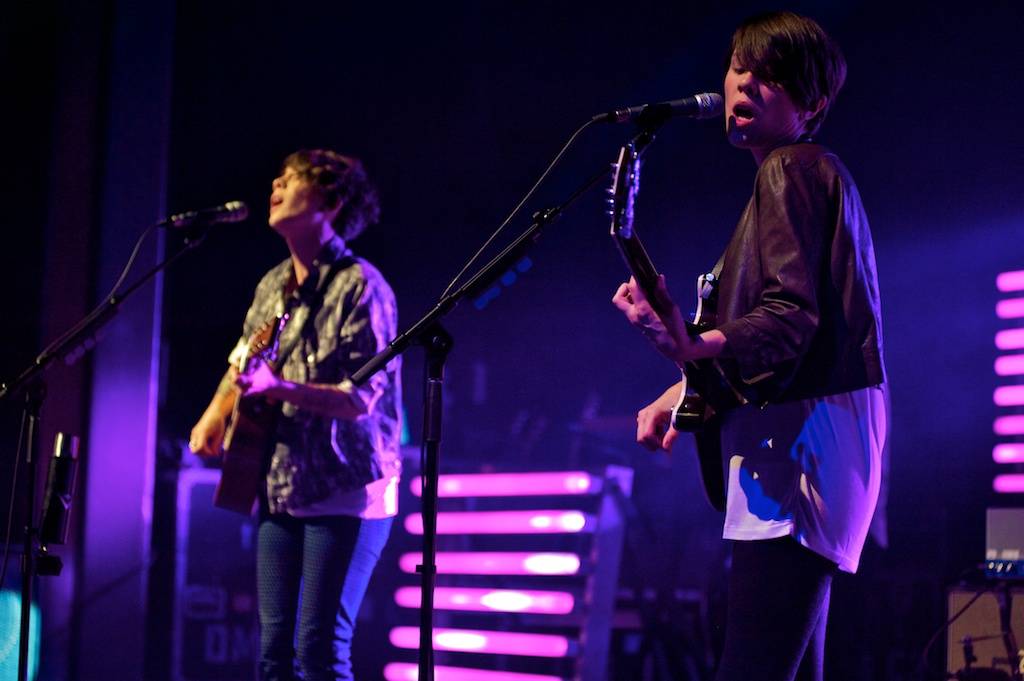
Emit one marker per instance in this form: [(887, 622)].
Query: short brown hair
[(795, 53), (342, 180)]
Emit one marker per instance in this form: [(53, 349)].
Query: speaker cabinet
[(979, 626)]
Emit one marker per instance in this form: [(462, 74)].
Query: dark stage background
[(455, 109)]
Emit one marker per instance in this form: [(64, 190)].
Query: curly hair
[(342, 181), (795, 53)]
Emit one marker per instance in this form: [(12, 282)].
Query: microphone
[(232, 211), (704, 105)]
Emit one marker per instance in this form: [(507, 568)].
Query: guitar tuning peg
[(615, 166), (609, 191)]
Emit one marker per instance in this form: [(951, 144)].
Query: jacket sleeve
[(791, 215)]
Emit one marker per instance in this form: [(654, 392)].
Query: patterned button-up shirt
[(342, 315)]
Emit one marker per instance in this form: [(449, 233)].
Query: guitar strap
[(312, 298)]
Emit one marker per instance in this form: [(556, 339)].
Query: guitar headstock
[(263, 343), (622, 193)]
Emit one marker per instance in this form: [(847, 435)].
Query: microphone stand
[(77, 340), (429, 333)]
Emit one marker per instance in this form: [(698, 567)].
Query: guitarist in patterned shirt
[(330, 489)]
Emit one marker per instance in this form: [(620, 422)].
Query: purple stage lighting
[(491, 600), (1009, 484), (505, 522), (1009, 452), (497, 563), (485, 641), (1008, 282), (1010, 365), (513, 484), (400, 671)]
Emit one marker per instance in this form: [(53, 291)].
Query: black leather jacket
[(798, 292)]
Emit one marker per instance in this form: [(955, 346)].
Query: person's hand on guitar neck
[(666, 331)]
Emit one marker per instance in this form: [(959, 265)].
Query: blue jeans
[(312, 574)]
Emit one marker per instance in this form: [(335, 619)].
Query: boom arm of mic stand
[(487, 275)]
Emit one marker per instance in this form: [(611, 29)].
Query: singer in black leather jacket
[(798, 335)]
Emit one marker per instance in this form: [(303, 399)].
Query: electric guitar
[(250, 431), (692, 411)]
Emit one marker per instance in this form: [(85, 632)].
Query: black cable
[(519, 206), (105, 300), (922, 664)]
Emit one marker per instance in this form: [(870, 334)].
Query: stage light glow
[(404, 671), (512, 484), (10, 633), (1010, 339), (1009, 396), (1012, 308), (483, 641), (1010, 365), (1008, 282), (497, 563), (1008, 453), (1010, 483), (505, 522), (490, 600), (1009, 425)]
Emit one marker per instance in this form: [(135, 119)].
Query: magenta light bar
[(1010, 281), (505, 522), (496, 563), (1011, 483), (1012, 308), (512, 484), (1010, 452), (490, 600), (483, 641), (1009, 396), (403, 671), (1010, 339), (1010, 365), (1009, 425)]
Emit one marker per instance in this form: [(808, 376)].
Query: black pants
[(776, 613)]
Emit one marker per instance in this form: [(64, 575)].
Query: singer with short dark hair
[(330, 489), (797, 342)]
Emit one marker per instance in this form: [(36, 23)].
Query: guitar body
[(250, 432), (691, 413)]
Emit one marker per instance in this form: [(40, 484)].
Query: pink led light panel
[(504, 522), (1010, 281), (490, 600), (1009, 425), (1010, 365), (402, 671), (1009, 484), (512, 484), (497, 563), (1009, 396), (481, 641), (1012, 308), (1009, 453), (1010, 339)]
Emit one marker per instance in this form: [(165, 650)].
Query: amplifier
[(978, 628), (215, 635)]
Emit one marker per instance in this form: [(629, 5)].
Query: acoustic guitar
[(250, 432)]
